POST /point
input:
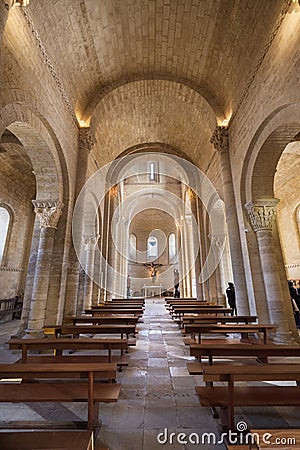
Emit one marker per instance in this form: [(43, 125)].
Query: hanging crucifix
[(153, 270)]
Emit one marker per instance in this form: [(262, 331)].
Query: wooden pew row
[(136, 311), (202, 318), (179, 311), (206, 318), (247, 351), (181, 299), (243, 329), (132, 299), (58, 346), (280, 439), (229, 396), (107, 319), (48, 440), (56, 388), (76, 330)]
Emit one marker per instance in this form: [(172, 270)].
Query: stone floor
[(158, 395)]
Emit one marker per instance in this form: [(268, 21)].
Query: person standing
[(230, 293), (128, 286)]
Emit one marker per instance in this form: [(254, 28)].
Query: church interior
[(149, 224)]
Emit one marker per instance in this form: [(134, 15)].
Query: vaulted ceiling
[(212, 46), (152, 70)]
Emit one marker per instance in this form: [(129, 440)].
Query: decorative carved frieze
[(86, 139), (48, 211), (11, 3), (11, 269), (220, 139), (90, 241), (262, 213), (217, 241)]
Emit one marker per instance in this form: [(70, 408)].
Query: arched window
[(4, 225), (132, 246), (152, 247), (172, 247)]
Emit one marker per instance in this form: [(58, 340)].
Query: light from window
[(152, 171), (152, 247), (132, 246), (4, 224), (172, 247)]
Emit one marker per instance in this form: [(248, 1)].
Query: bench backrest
[(262, 372)]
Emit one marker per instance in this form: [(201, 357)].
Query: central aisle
[(157, 391)]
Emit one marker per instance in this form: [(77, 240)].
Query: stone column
[(86, 143), (217, 244), (262, 215), (5, 7), (48, 213), (90, 242), (220, 140), (195, 241)]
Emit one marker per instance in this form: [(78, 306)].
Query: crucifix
[(153, 270)]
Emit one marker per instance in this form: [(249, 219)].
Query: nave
[(157, 393)]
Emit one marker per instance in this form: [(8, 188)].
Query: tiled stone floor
[(157, 394)]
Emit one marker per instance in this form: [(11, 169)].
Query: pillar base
[(282, 337), (34, 334)]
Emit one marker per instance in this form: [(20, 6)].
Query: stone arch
[(52, 185), (11, 215), (21, 121), (154, 111), (297, 222), (265, 149), (203, 91), (257, 192)]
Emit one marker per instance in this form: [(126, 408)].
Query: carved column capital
[(48, 211), (220, 139), (90, 241), (262, 213), (11, 3), (86, 139), (217, 241)]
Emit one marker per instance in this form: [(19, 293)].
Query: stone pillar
[(220, 140), (5, 7), (195, 240), (217, 244), (48, 213), (262, 215), (90, 242), (86, 143)]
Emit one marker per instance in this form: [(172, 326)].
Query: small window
[(4, 225), (172, 247), (152, 247), (132, 247), (153, 171)]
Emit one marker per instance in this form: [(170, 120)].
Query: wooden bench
[(227, 397), (51, 390), (136, 311), (257, 351), (47, 440), (76, 330), (107, 319), (10, 308), (280, 439), (201, 318), (61, 345), (182, 310), (243, 329)]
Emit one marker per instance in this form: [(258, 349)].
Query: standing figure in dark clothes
[(295, 298), (230, 292)]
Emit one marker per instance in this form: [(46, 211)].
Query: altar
[(153, 291)]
